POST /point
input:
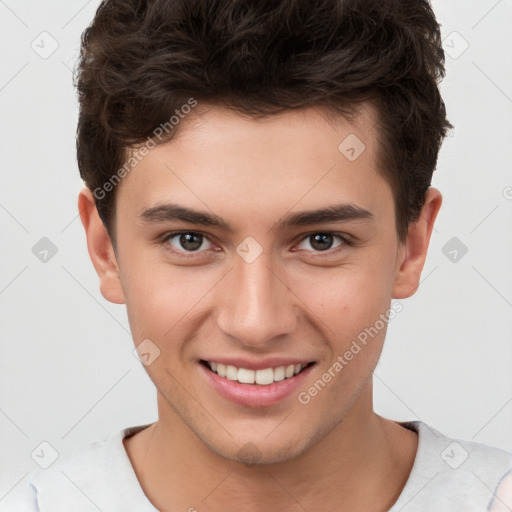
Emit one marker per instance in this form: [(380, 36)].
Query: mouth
[(260, 377)]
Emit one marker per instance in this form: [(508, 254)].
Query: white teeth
[(262, 377), (221, 369), (279, 373), (231, 372), (246, 376), (265, 377)]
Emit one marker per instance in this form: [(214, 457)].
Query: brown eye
[(322, 241), (187, 241)]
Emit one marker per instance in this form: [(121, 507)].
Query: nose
[(255, 304)]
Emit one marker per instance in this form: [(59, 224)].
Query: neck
[(364, 460)]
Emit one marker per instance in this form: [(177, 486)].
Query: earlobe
[(100, 249), (414, 251)]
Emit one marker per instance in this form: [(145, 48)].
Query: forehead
[(220, 157), (211, 124)]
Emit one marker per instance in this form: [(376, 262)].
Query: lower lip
[(255, 395)]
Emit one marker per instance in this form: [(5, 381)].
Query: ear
[(413, 252), (100, 249)]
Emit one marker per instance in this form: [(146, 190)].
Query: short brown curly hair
[(142, 60)]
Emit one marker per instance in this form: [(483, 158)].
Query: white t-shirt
[(448, 475)]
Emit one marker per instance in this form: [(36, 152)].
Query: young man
[(258, 191)]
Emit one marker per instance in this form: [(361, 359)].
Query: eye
[(187, 241), (322, 241)]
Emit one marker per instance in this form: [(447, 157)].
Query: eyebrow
[(335, 213)]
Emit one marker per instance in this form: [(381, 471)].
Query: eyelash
[(346, 242)]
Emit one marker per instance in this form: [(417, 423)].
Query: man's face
[(257, 292)]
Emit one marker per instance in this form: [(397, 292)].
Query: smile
[(263, 377)]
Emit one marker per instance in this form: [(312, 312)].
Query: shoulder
[(62, 480), (23, 498), (84, 480), (454, 474)]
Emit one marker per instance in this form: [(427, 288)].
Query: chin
[(251, 454), (256, 451)]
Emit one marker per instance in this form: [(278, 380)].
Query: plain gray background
[(68, 375)]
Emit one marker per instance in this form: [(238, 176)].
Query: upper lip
[(259, 364)]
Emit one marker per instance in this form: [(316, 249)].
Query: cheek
[(163, 301), (348, 298)]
